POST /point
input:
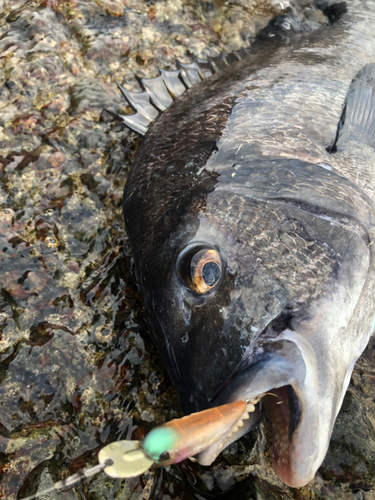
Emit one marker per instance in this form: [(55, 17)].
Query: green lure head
[(160, 445)]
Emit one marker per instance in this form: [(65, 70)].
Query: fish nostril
[(185, 337)]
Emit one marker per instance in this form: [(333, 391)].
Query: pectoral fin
[(357, 122)]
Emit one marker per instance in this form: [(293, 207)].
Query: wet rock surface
[(77, 366)]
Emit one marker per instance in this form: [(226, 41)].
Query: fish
[(250, 213)]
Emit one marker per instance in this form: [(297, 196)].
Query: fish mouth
[(279, 378), (283, 411)]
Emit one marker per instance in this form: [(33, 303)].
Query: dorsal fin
[(157, 90), (204, 68), (242, 53), (232, 58), (145, 112), (218, 63), (160, 92), (137, 123), (140, 103), (189, 73), (173, 82)]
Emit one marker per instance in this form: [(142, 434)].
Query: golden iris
[(205, 270)]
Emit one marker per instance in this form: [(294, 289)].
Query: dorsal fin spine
[(139, 102), (189, 73), (159, 93), (173, 82), (204, 68), (135, 122)]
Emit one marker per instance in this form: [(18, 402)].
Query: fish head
[(256, 287)]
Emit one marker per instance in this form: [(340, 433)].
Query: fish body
[(250, 211)]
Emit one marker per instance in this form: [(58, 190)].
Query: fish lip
[(286, 365)]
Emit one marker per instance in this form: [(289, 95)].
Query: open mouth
[(279, 384), (283, 411)]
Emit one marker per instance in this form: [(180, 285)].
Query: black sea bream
[(250, 210)]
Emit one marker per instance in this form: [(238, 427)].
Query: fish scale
[(310, 263)]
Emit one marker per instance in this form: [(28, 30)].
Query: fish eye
[(201, 268)]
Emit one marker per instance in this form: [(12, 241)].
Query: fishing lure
[(166, 444)]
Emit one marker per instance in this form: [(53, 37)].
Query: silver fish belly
[(250, 211)]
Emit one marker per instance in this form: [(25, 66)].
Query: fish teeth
[(249, 409)]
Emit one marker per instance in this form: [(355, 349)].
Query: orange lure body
[(185, 437)]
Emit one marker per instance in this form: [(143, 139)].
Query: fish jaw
[(269, 369), (298, 452), (284, 374), (280, 366)]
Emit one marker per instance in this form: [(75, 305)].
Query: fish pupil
[(211, 273)]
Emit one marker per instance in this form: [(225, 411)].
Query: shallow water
[(78, 368)]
